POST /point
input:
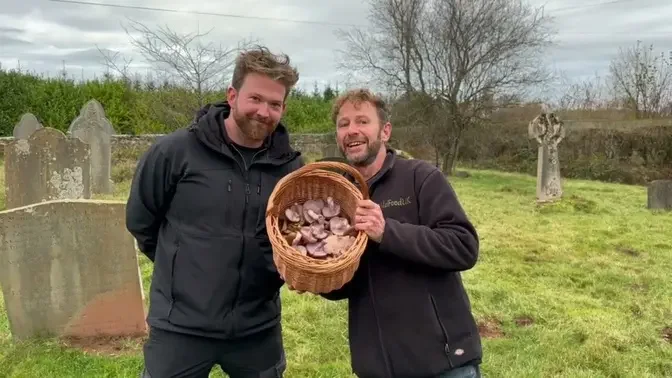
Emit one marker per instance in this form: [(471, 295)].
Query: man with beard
[(197, 210), (409, 314)]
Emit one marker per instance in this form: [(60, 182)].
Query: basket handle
[(363, 186)]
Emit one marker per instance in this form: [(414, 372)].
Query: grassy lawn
[(580, 288)]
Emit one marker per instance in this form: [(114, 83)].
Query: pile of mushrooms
[(316, 228)]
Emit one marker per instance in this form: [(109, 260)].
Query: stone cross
[(47, 166), (27, 125), (94, 129), (549, 131)]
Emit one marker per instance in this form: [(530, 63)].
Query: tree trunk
[(446, 166), (450, 158)]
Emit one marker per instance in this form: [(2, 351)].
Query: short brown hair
[(358, 96), (261, 61)]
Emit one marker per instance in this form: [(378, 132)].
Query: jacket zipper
[(245, 170), (172, 278), (388, 367), (446, 346)]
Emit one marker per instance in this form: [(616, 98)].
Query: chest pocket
[(208, 201), (397, 200), (403, 208), (269, 179)]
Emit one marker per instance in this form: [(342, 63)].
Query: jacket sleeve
[(444, 239), (151, 191), (339, 294)]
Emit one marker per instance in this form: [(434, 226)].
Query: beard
[(365, 158), (254, 128)]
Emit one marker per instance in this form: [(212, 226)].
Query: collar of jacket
[(388, 164), (208, 126)]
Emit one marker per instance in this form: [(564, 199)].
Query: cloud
[(43, 34)]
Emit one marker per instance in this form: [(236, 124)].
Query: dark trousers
[(175, 355)]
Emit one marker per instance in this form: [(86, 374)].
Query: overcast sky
[(41, 34)]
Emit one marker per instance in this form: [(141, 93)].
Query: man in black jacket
[(197, 210), (409, 315)]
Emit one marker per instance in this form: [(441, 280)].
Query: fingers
[(368, 218), (367, 208), (367, 204)]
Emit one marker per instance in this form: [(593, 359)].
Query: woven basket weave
[(316, 181)]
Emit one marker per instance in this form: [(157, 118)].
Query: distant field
[(576, 289)]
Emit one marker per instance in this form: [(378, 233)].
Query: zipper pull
[(258, 188), (247, 192), (229, 186)]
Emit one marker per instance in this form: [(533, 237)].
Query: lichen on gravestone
[(69, 268), (45, 167)]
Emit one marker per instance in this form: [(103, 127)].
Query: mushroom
[(331, 209), (307, 234), (302, 249), (318, 231), (316, 249), (339, 226), (291, 236), (312, 210), (335, 245), (294, 213), (297, 239)]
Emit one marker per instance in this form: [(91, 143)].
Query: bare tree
[(462, 53), (642, 79), (584, 94), (181, 57)]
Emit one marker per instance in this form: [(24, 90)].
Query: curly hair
[(360, 95)]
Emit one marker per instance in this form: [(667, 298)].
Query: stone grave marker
[(94, 129), (68, 268), (46, 166), (659, 195), (27, 125), (548, 131), (331, 150)]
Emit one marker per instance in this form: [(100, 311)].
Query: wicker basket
[(315, 181)]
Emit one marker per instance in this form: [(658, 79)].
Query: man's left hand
[(369, 218)]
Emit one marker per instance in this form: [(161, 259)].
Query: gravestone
[(94, 129), (27, 125), (331, 150), (659, 195), (548, 131), (68, 268), (46, 166)]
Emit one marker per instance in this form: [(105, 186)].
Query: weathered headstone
[(92, 128), (549, 131), (68, 268), (26, 126), (660, 195), (331, 150), (46, 166)]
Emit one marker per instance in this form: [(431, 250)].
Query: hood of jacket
[(208, 126)]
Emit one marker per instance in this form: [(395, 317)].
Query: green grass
[(579, 288)]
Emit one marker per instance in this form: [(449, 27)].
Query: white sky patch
[(41, 34)]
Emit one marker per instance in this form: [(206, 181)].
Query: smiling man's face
[(359, 133)]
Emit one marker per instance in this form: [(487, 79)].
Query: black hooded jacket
[(198, 213)]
